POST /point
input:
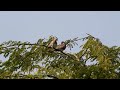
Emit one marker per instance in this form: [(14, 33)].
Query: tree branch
[(39, 45), (22, 44), (52, 77), (83, 54)]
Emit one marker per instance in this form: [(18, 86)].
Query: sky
[(32, 25)]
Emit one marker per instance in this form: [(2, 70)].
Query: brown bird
[(53, 43), (61, 47)]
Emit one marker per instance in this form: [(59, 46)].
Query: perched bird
[(53, 43), (61, 47)]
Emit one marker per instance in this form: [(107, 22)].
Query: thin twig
[(83, 54), (22, 44)]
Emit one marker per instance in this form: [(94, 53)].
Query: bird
[(61, 47), (53, 43)]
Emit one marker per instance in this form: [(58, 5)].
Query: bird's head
[(55, 38), (63, 42)]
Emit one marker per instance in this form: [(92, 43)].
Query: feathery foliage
[(37, 61)]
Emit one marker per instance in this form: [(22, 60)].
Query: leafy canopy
[(37, 61)]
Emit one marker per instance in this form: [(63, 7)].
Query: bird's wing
[(51, 44), (60, 47)]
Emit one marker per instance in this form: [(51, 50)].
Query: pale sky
[(32, 25)]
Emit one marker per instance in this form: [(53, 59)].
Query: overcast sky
[(32, 25)]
